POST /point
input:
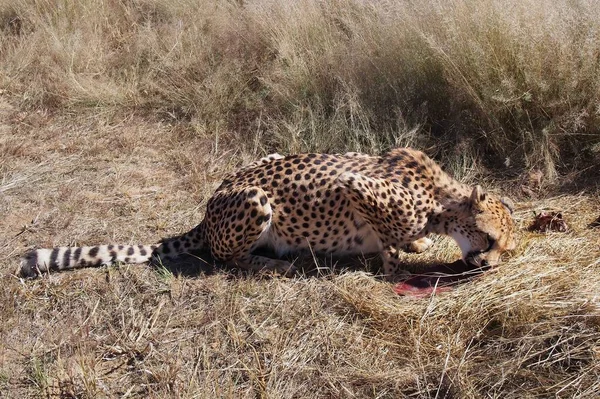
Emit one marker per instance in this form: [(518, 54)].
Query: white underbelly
[(361, 239)]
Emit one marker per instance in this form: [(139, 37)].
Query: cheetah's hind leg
[(261, 263), (237, 221)]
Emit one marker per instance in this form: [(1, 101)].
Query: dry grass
[(514, 80), (531, 328), (119, 118)]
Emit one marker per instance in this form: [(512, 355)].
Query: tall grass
[(512, 81)]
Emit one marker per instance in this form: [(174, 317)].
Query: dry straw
[(119, 118)]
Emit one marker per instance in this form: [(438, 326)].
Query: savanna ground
[(119, 118)]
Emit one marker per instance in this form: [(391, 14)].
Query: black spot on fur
[(66, 257), (130, 251), (32, 258), (77, 255), (53, 256), (93, 252)]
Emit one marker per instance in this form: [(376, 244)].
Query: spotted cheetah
[(337, 204)]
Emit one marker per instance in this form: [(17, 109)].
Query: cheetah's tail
[(63, 258)]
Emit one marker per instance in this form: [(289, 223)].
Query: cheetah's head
[(486, 231)]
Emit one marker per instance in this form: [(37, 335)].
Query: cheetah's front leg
[(235, 222), (388, 207), (419, 246), (394, 263)]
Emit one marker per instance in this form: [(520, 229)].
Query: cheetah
[(335, 204)]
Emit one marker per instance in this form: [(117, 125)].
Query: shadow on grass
[(197, 264)]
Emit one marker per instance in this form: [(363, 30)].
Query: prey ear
[(478, 195)]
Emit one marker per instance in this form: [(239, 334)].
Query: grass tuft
[(511, 83)]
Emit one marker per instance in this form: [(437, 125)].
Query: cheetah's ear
[(478, 195), (507, 202)]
